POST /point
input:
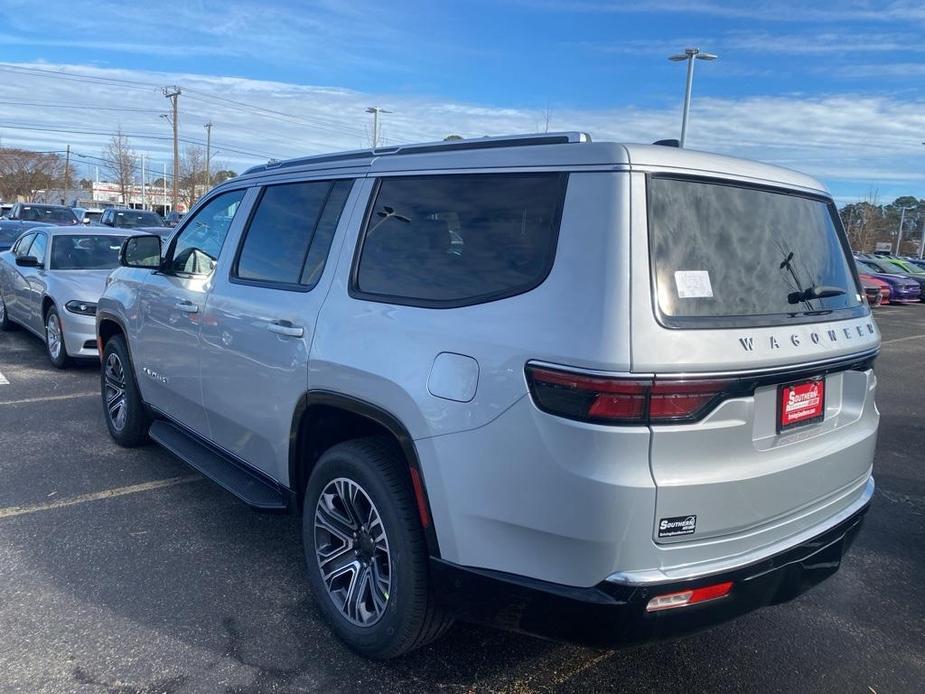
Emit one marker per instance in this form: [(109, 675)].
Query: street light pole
[(376, 110), (899, 235), (690, 55)]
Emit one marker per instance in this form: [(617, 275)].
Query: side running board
[(248, 486)]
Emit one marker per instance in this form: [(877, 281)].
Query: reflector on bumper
[(689, 597)]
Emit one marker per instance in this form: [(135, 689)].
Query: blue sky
[(834, 89)]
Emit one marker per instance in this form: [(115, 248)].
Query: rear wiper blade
[(817, 292)]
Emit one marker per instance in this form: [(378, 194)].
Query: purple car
[(903, 290)]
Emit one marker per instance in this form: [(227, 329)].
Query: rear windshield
[(87, 252), (727, 255), (129, 219), (54, 215)]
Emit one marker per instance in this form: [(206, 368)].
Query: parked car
[(26, 215), (903, 290), (92, 216), (884, 266), (498, 388), (50, 282), (145, 220), (174, 218), (884, 287), (872, 292), (919, 263)]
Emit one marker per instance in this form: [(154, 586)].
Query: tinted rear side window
[(460, 239), (291, 232), (730, 255)]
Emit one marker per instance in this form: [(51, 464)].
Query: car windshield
[(730, 254), (53, 215), (864, 267), (130, 219), (93, 216), (85, 252)]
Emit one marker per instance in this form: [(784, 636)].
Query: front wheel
[(366, 553), (54, 340), (5, 322), (124, 411)]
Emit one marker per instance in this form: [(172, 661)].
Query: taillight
[(625, 400)]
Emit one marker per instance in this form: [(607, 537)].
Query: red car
[(870, 280)]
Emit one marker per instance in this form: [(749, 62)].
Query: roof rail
[(558, 138)]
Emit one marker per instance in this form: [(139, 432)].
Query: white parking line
[(3, 381), (902, 339), (45, 398), (12, 511)]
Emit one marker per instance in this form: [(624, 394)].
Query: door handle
[(284, 327), (186, 307)]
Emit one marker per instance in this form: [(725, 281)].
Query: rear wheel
[(366, 554), (124, 411), (54, 340)]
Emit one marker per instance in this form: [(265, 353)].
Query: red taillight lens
[(672, 400), (623, 400), (684, 598)]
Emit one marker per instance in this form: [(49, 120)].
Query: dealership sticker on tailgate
[(677, 525), (800, 403)]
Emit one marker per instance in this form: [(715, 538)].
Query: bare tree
[(192, 175), (121, 162), (22, 172)]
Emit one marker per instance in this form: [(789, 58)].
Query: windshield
[(129, 219), (864, 267), (727, 254), (93, 216), (53, 215), (85, 252)]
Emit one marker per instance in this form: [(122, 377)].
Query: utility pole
[(165, 190), (67, 173), (208, 127), (690, 55), (143, 206), (376, 110), (173, 94)]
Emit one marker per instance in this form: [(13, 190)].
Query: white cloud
[(855, 141)]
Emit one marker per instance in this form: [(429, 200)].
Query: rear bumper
[(611, 615)]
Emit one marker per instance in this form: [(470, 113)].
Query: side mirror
[(27, 261), (141, 251)]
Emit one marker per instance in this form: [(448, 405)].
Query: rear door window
[(459, 239), (725, 255), (289, 235)]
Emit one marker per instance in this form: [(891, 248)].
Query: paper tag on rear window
[(693, 284)]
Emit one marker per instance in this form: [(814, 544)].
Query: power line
[(317, 122), (141, 136), (82, 108), (63, 74)]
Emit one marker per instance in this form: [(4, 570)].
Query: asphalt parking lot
[(124, 571)]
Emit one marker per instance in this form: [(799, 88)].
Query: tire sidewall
[(376, 640), (62, 360), (5, 323), (136, 422)]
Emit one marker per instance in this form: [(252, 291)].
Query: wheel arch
[(324, 418)]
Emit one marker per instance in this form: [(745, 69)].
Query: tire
[(5, 322), (371, 473), (54, 340), (123, 409)]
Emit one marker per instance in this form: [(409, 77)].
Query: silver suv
[(597, 392)]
